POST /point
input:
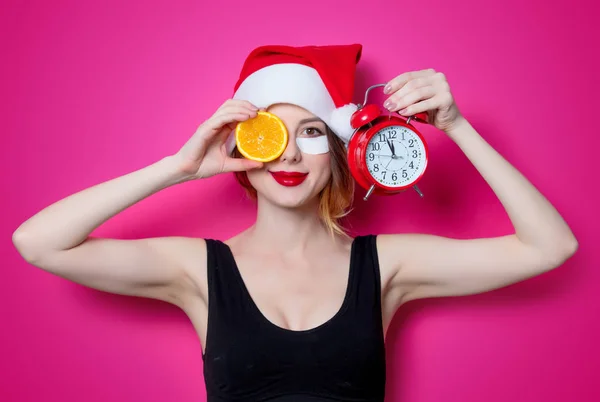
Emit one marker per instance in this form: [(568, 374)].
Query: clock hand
[(388, 164), (391, 147)]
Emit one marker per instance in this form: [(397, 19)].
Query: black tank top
[(248, 358)]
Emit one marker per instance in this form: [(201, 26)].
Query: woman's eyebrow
[(310, 120)]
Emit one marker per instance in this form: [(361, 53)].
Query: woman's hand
[(423, 91), (205, 153)]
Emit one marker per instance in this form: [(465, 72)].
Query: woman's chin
[(290, 197), (289, 200), (290, 193)]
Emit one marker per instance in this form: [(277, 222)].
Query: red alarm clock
[(386, 153)]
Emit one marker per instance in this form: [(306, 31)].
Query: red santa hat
[(319, 79)]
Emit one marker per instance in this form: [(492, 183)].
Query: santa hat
[(319, 79)]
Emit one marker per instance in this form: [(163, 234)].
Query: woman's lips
[(289, 179)]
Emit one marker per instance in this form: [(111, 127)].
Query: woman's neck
[(291, 229)]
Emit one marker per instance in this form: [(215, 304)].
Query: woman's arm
[(433, 266), (57, 239)]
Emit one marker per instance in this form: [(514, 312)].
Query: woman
[(293, 308)]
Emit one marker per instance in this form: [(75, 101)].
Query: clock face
[(395, 156)]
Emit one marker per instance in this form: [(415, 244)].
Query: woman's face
[(296, 177)]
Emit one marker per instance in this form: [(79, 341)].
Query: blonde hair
[(337, 196)]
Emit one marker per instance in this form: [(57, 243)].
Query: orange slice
[(262, 138)]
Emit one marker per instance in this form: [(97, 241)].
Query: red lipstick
[(289, 179)]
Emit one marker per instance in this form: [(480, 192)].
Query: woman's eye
[(312, 131)]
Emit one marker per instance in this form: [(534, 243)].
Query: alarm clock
[(386, 153)]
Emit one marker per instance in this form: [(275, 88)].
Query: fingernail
[(387, 89), (389, 105), (403, 111)]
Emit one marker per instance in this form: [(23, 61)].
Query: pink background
[(94, 90)]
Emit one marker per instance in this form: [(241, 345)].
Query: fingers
[(228, 109), (240, 164), (396, 83), (417, 87), (214, 125), (232, 110), (234, 115), (238, 102), (229, 114), (419, 107), (397, 102), (439, 101)]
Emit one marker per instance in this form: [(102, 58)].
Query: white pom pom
[(339, 121)]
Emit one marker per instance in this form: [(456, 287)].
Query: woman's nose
[(292, 153)]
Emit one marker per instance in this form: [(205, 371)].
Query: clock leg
[(418, 191), (369, 192)]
